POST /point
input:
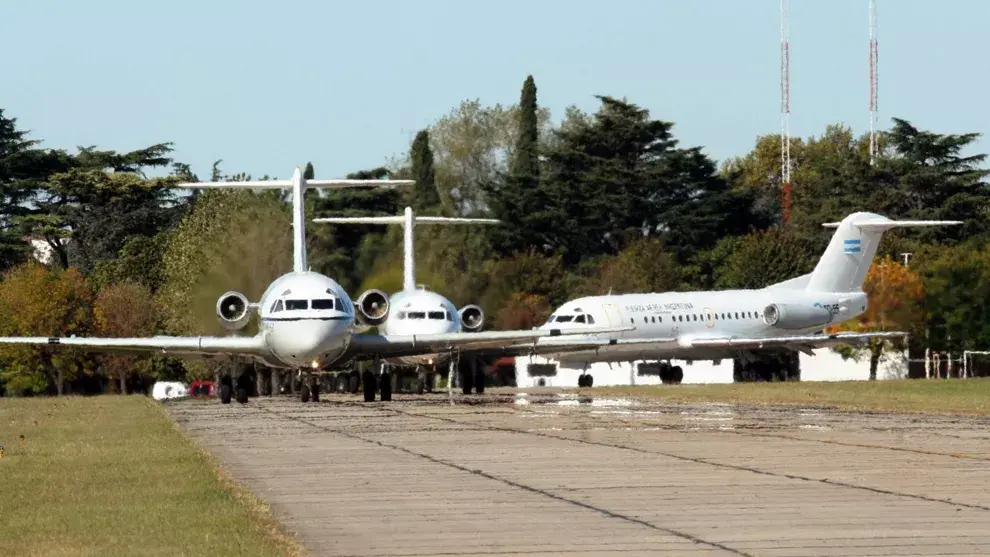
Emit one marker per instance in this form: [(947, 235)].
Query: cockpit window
[(552, 317), (449, 316), (564, 318), (436, 315), (296, 304), (591, 320), (277, 306), (417, 315), (401, 315), (579, 319), (323, 303)]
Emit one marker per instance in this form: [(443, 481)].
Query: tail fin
[(408, 222), (298, 185), (843, 266)]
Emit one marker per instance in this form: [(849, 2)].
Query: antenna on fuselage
[(408, 221), (298, 184)]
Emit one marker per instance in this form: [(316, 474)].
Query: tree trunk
[(875, 350), (122, 373), (60, 381)]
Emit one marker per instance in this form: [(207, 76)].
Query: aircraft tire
[(581, 381), (225, 393), (370, 384), (341, 382), (241, 396), (479, 381), (429, 382), (676, 375), (589, 380), (316, 392), (353, 382), (386, 386), (304, 393), (467, 382)]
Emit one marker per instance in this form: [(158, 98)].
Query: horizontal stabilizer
[(884, 223), (283, 184), (401, 220)]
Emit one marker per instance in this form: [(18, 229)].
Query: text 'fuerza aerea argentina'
[(657, 307)]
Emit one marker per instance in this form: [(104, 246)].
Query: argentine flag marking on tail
[(851, 246)]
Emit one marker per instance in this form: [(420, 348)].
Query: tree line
[(608, 201)]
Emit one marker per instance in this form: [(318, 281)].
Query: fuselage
[(684, 316), (307, 320), (420, 312)]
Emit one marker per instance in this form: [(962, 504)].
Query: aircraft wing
[(385, 346), (167, 346), (657, 348), (795, 342)]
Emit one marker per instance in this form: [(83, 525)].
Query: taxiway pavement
[(552, 473)]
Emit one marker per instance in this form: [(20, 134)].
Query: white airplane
[(306, 318), (415, 309), (746, 325)]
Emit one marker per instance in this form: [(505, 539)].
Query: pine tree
[(308, 173), (424, 193)]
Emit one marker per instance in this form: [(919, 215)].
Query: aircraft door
[(614, 316), (709, 317)]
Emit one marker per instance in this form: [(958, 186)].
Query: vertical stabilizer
[(408, 251), (848, 257), (409, 221), (298, 222)]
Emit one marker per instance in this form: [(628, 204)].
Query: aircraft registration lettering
[(659, 307)]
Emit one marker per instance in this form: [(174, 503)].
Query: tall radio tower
[(785, 111), (873, 80)]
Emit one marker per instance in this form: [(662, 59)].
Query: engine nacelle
[(794, 316), (472, 318), (372, 307), (233, 310)]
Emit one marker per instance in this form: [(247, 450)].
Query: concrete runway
[(547, 473)]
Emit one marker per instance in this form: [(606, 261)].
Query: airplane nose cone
[(299, 345)]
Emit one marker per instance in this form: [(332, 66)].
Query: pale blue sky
[(268, 85)]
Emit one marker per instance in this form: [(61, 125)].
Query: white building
[(825, 365)]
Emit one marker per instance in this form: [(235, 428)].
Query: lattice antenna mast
[(873, 81), (785, 109)]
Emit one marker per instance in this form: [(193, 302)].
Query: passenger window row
[(700, 317)]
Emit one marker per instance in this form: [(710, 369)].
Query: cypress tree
[(309, 174), (425, 191), (526, 163)]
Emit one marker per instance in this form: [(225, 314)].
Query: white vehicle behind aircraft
[(306, 319), (415, 309), (749, 326)]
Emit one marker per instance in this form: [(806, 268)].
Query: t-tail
[(843, 266), (408, 222), (298, 184)]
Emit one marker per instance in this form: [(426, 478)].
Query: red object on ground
[(201, 388)]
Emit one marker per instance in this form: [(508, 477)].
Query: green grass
[(953, 396), (113, 475)]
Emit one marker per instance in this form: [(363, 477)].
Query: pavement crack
[(508, 482)]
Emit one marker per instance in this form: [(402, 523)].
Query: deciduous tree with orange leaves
[(125, 309), (36, 301), (523, 311), (894, 294)]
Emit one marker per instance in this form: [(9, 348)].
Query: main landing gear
[(236, 387), (377, 382), (310, 388)]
